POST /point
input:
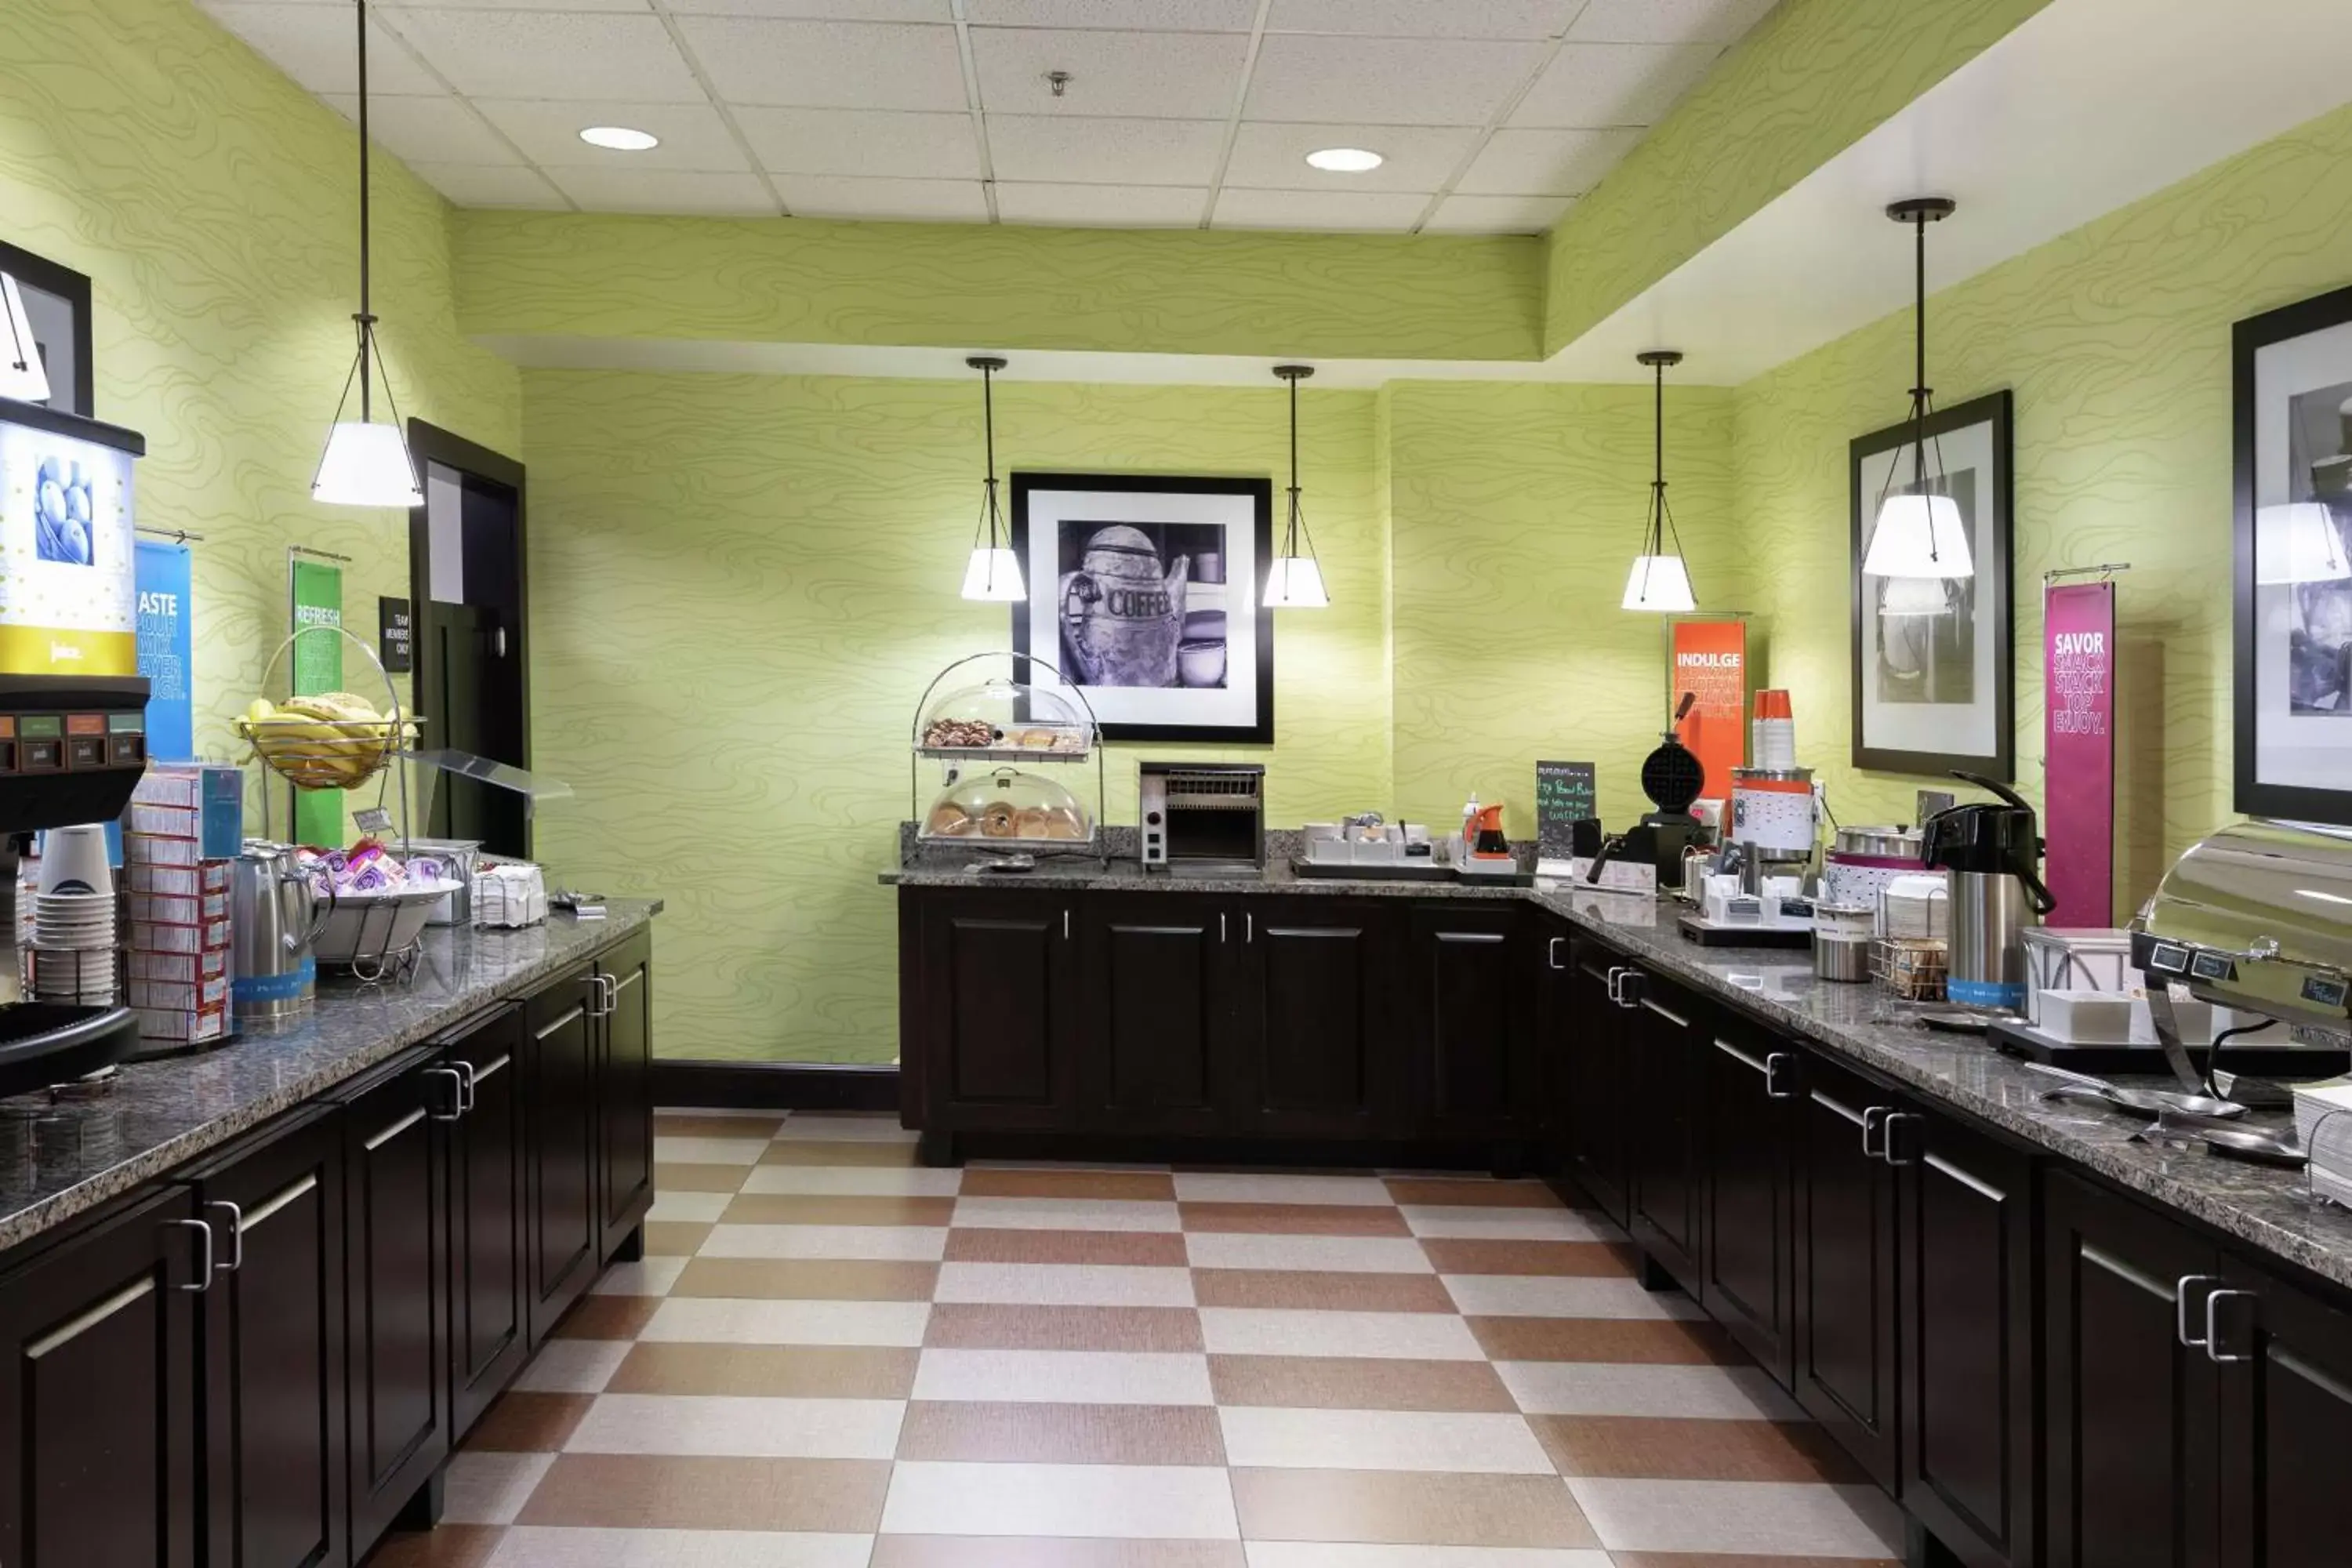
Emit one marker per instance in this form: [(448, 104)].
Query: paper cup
[(73, 860)]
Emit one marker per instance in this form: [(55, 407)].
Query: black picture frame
[(1993, 599), (1259, 492), (73, 287), (2251, 792)]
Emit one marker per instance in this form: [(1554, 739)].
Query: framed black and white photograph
[(2293, 562), (1933, 668), (49, 304), (1147, 593)]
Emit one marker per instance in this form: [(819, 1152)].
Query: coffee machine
[(1989, 852)]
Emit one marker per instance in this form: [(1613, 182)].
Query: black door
[(2283, 1357), (1665, 1036), (559, 1089), (1966, 1266), (1751, 1095), (489, 1277), (1158, 972), (1318, 1049), (272, 1328), (1845, 1313), (1000, 1020), (1599, 1087), (624, 1091), (1467, 984), (468, 593), (97, 1416), (396, 1282), (2128, 1401)]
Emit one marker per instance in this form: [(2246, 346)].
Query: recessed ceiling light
[(620, 137), (1346, 160)]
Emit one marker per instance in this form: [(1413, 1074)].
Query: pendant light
[(1294, 580), (994, 572), (365, 464), (1658, 580), (22, 374), (1919, 534)]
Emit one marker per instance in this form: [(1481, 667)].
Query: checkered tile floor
[(835, 1357)]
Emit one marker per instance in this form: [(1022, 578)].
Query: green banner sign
[(318, 660)]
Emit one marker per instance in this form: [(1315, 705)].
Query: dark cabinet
[(1844, 1260), (559, 1089), (1318, 1050), (271, 1332), (98, 1384), (998, 1012), (1749, 1094), (1597, 1092), (2281, 1357), (1469, 1046), (489, 1274), (1159, 1008), (625, 1099), (1666, 1037)]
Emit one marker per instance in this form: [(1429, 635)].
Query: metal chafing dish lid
[(2258, 918)]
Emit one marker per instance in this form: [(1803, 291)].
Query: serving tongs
[(2151, 1103)]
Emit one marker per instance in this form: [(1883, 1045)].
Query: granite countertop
[(58, 1161), (2269, 1209)]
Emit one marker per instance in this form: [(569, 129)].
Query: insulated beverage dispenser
[(1989, 852)]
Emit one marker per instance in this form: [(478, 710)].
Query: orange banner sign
[(1710, 663)]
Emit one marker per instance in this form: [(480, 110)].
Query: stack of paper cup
[(1773, 733), (73, 957)]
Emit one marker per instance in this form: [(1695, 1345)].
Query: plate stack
[(73, 955)]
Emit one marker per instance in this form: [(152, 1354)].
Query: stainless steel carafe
[(1989, 853), (274, 916)]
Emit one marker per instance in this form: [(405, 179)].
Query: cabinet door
[(1751, 1090), (1554, 1030), (2283, 1361), (97, 1418), (558, 1093), (1844, 1258), (490, 1276), (397, 1249), (1599, 1087), (2128, 1403), (1966, 1266), (1319, 1051), (1157, 978), (1665, 1035), (1467, 984), (624, 1092), (1000, 1018), (272, 1326)]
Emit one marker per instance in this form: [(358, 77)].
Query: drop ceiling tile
[(870, 141), (1666, 21), (478, 185), (424, 130), (818, 10), (1547, 162), (1600, 85), (1418, 157), (1045, 148), (1381, 211), (666, 191), (1159, 76), (1414, 81), (1423, 19), (578, 59), (319, 47), (693, 136), (1101, 207), (913, 201), (828, 65), (1149, 16), (1497, 215)]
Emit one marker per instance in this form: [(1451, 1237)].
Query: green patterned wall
[(1138, 291), (1809, 80), (213, 203), (739, 587), (2116, 341), (1516, 509)]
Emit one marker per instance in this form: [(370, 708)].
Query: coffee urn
[(1989, 852)]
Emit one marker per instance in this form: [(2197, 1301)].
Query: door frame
[(430, 444)]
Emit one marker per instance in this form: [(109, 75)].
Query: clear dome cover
[(1001, 715), (1008, 804)]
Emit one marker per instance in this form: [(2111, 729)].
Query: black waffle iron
[(1671, 776)]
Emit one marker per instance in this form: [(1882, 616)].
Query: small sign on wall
[(395, 636)]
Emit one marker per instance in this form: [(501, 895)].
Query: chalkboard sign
[(393, 634), (1564, 795)]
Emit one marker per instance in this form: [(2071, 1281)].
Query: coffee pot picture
[(1122, 614)]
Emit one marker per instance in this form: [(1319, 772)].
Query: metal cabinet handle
[(1629, 990), (612, 985), (1774, 1064), (1249, 925), (236, 1234), (1894, 1121), (457, 1093), (1874, 1130), (2180, 1307), (1066, 925), (466, 1079), (2213, 1328), (1221, 925), (204, 1280), (1551, 952), (595, 1003), (1616, 972)]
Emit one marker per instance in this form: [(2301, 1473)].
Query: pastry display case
[(1000, 764)]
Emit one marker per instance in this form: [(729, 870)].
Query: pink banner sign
[(2078, 768)]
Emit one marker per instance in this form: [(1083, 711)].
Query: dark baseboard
[(775, 1086)]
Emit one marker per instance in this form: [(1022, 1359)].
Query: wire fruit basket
[(335, 740)]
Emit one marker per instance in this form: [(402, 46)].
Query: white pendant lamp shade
[(1919, 536), (994, 575), (1295, 583), (2299, 544), (366, 465), (1659, 583), (22, 374)]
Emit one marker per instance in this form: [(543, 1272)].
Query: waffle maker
[(1671, 776)]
